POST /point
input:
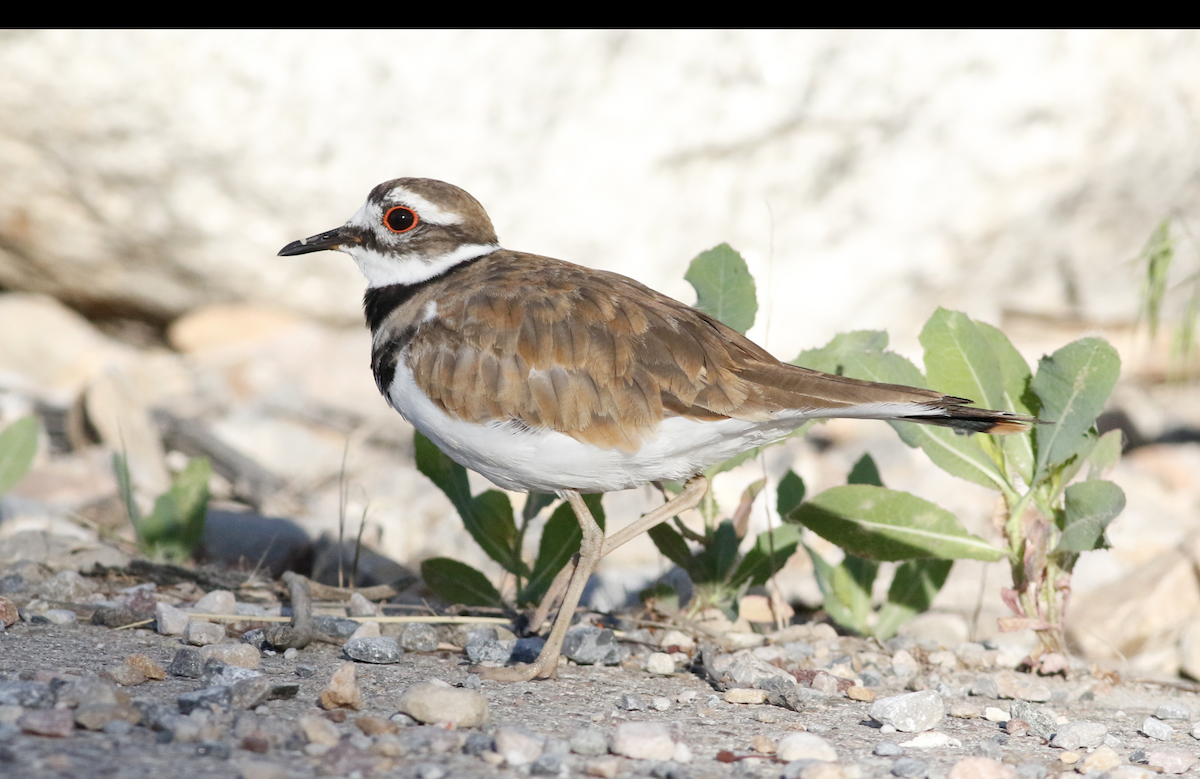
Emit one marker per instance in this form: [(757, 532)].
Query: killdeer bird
[(550, 377)]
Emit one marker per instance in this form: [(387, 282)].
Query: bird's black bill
[(317, 243)]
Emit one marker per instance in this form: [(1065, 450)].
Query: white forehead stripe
[(425, 209)]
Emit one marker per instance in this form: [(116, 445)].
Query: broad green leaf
[(882, 524), (1089, 507), (831, 358), (958, 455), (175, 527), (846, 589), (1019, 446), (18, 445), (672, 545), (489, 520), (1105, 455), (534, 503), (459, 583), (789, 494), (447, 475), (770, 553), (561, 538), (959, 360), (911, 593), (713, 563), (724, 287), (865, 471), (1073, 385)]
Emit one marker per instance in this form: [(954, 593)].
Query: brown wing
[(603, 359)]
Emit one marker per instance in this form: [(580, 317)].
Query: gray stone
[(200, 633), (643, 741), (1171, 760), (337, 627), (61, 616), (87, 690), (1156, 729), (1042, 722), (68, 587), (216, 602), (985, 687), (168, 620), (589, 742), (629, 702), (204, 698), (888, 749), (219, 674), (526, 650), (361, 607), (31, 695), (478, 742), (743, 669), (871, 677), (256, 638), (910, 768), (547, 764), (379, 649), (419, 637), (910, 713), (1173, 710), (489, 650), (588, 645), (1079, 735), (1031, 771), (187, 662)]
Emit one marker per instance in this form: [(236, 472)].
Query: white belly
[(546, 461)]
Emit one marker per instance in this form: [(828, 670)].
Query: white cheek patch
[(426, 210), (430, 312), (383, 270)]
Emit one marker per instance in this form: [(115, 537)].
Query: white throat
[(383, 270)]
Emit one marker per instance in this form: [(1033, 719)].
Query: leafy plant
[(1049, 517), (490, 520), (1157, 257), (18, 445), (174, 529)]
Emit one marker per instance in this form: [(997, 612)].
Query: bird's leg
[(553, 593), (691, 496), (590, 549)]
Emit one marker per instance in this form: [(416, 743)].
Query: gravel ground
[(556, 727)]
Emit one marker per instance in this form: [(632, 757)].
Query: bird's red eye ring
[(400, 219)]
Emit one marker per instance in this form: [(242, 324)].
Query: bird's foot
[(542, 668)]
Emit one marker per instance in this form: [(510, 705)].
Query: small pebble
[(262, 769), (319, 730), (643, 741), (366, 629), (240, 655), (56, 723), (964, 710), (200, 633), (342, 690), (805, 746), (687, 696), (681, 641), (1021, 687), (993, 714), (9, 614), (590, 645), (379, 649), (589, 742), (910, 768), (660, 704), (981, 768), (419, 637), (911, 712), (743, 695), (1079, 735), (763, 745), (1031, 771), (857, 692), (603, 767), (1042, 721), (149, 668), (375, 726), (168, 620), (435, 703), (1156, 729), (931, 739), (123, 674), (1069, 758), (361, 607), (216, 602), (660, 663), (1171, 760), (767, 716), (887, 749), (1102, 758), (517, 745), (1173, 710), (629, 702), (1016, 727), (61, 616), (188, 663)]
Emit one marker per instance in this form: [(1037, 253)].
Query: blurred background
[(149, 178)]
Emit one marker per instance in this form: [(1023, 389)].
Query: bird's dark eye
[(400, 219)]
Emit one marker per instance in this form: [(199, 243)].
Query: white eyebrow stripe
[(425, 209)]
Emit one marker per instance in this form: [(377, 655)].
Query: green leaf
[(488, 517), (770, 553), (958, 455), (912, 591), (1073, 385), (846, 589), (713, 564), (125, 491), (1017, 376), (561, 538), (671, 544), (447, 475), (865, 471), (175, 527), (1158, 253), (789, 493), (534, 503), (831, 358), (959, 360), (882, 524), (18, 445), (1089, 508), (489, 520), (1105, 454), (724, 287), (459, 583)]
